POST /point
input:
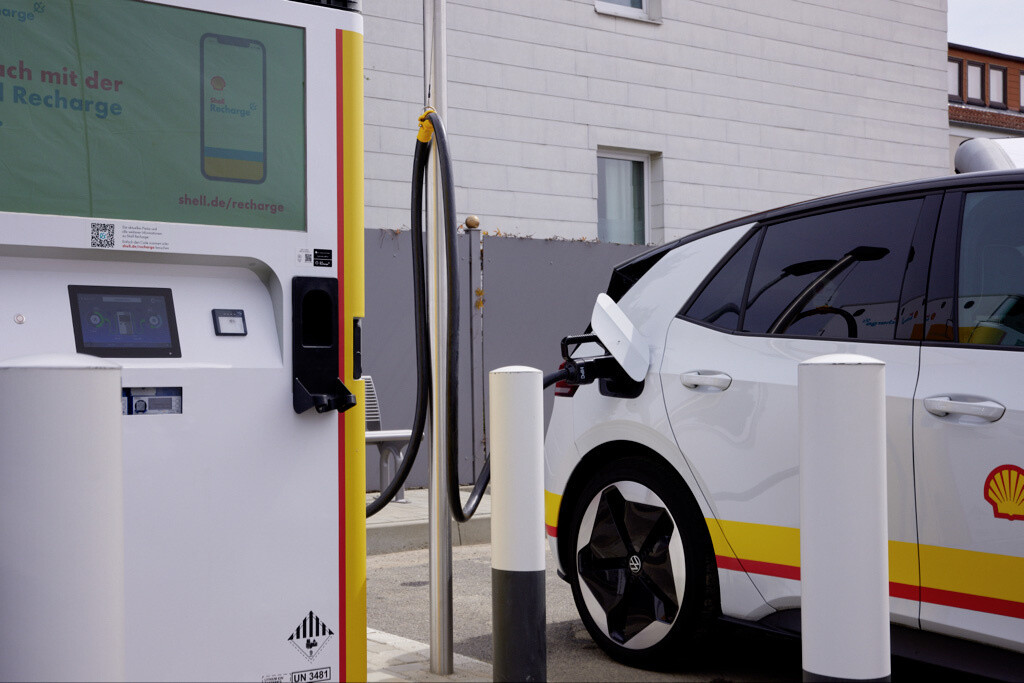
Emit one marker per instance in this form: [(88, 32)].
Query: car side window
[(990, 269), (722, 297), (835, 275)]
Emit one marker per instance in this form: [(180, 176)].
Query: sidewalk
[(405, 526), (393, 658)]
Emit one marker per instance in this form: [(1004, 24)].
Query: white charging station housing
[(171, 169)]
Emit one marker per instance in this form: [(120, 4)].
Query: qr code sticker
[(103, 235)]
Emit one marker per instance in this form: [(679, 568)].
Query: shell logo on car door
[(1004, 489)]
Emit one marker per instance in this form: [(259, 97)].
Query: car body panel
[(972, 554), (742, 445), (720, 407), (590, 419), (680, 272)]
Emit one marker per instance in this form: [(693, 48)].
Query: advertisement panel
[(102, 115)]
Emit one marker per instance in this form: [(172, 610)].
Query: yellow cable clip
[(426, 131)]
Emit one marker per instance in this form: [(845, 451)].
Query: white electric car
[(673, 500)]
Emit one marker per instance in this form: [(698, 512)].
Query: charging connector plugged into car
[(621, 368)]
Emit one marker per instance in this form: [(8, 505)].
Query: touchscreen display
[(124, 322)]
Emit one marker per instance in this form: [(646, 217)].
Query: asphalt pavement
[(398, 614), (398, 604)]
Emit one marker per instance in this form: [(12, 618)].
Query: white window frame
[(645, 159), (956, 95), (651, 10), (997, 74), (979, 68)]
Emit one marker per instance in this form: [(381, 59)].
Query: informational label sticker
[(305, 257), (138, 237), (311, 675), (130, 236), (323, 258)]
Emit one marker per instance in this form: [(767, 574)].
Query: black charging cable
[(432, 127)]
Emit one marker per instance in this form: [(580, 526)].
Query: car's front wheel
[(642, 569)]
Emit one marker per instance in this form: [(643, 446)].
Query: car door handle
[(703, 378), (942, 406)]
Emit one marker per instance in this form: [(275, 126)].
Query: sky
[(996, 25)]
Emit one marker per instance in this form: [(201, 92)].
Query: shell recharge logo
[(1004, 490)]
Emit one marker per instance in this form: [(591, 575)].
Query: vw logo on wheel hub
[(634, 564)]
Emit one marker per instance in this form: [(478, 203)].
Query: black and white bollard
[(844, 552), (517, 524)]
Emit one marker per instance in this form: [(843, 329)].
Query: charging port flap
[(622, 340)]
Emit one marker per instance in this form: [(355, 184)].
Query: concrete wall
[(534, 293), (741, 105)]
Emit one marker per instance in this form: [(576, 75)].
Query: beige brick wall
[(743, 105)]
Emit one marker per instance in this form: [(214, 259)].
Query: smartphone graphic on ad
[(233, 104)]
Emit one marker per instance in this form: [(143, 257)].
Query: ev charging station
[(181, 193)]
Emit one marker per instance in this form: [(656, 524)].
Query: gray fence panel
[(538, 291), (389, 351), (534, 292)]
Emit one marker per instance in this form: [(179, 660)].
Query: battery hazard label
[(310, 637)]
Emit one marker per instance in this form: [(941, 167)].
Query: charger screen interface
[(124, 322)]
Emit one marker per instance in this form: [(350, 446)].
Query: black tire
[(642, 568)]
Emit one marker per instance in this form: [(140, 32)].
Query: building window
[(975, 83), (955, 79), (644, 10), (997, 87), (622, 197), (1022, 90)]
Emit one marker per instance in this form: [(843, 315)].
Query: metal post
[(517, 523), (441, 640), (844, 558), (476, 344)]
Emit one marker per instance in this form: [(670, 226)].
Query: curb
[(398, 537), (405, 526)]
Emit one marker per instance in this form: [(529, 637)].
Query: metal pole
[(441, 640), (474, 300), (844, 552)]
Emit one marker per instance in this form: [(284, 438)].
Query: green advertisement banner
[(124, 109)]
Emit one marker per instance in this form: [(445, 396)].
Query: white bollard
[(518, 606), (844, 553), (62, 609)]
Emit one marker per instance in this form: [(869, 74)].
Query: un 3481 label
[(311, 675)]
